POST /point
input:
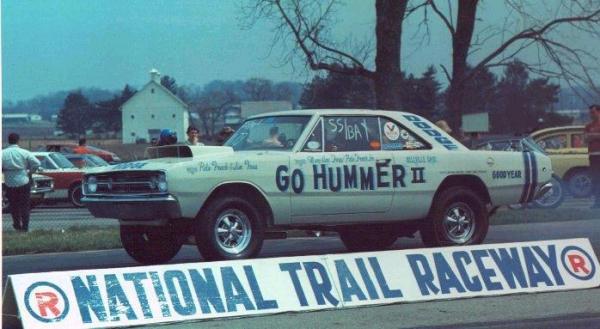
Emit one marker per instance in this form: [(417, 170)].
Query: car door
[(420, 166), (342, 172)]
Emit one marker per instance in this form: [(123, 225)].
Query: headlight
[(162, 183), (92, 184)]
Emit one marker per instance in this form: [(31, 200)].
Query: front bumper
[(134, 208)]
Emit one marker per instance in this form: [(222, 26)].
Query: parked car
[(86, 160), (371, 176), (67, 177), (72, 148), (41, 187), (555, 196), (567, 148)]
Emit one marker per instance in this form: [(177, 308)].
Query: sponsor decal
[(382, 174), (130, 165), (506, 174), (179, 292), (392, 132), (431, 131)]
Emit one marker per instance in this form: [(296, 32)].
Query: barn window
[(152, 116), (133, 134), (133, 116), (173, 116), (152, 90)]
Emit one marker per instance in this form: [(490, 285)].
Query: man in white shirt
[(193, 136), (17, 166)]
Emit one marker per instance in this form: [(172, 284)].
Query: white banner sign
[(180, 292)]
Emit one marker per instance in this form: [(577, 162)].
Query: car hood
[(175, 156)]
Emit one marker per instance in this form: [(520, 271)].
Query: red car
[(107, 156), (67, 177)]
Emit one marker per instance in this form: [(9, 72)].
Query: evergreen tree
[(74, 116)]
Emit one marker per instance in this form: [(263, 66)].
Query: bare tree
[(557, 56), (306, 23), (211, 108)]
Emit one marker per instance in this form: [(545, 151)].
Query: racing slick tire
[(75, 195), (458, 217), (150, 244), (230, 228), (365, 238)]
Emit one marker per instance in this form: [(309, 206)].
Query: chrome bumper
[(135, 208), (542, 190)]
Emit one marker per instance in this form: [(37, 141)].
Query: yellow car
[(567, 149)]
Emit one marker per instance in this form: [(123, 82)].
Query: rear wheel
[(231, 228), (580, 184), (75, 195), (150, 244), (554, 197), (367, 238), (458, 217)]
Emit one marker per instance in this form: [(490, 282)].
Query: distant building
[(16, 118), (234, 115), (151, 109)]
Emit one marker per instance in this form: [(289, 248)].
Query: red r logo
[(47, 301), (577, 262)]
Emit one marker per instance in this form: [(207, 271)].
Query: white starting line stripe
[(180, 292)]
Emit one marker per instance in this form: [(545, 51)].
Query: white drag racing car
[(371, 176)]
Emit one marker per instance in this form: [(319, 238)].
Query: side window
[(578, 141), (396, 137), (45, 163), (315, 140), (553, 142), (349, 133)]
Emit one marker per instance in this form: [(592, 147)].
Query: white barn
[(151, 109)]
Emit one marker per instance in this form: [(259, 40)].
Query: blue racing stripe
[(534, 177), (526, 169)]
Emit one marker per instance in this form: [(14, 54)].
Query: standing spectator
[(442, 124), (193, 136), (592, 135), (82, 141), (224, 135), (17, 166)]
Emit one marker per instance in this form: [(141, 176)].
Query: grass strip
[(76, 238)]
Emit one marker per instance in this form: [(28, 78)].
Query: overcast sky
[(52, 45)]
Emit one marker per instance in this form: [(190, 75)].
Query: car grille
[(138, 182), (43, 183)]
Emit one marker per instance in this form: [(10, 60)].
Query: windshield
[(61, 161), (269, 133), (532, 145), (96, 160)]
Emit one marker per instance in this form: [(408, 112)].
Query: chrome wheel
[(553, 198), (459, 223), (233, 231)]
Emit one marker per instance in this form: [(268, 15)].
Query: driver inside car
[(273, 140)]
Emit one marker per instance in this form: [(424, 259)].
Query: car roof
[(556, 129), (44, 153), (310, 112)]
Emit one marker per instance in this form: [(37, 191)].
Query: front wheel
[(75, 196), (231, 228), (458, 217), (150, 244)]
